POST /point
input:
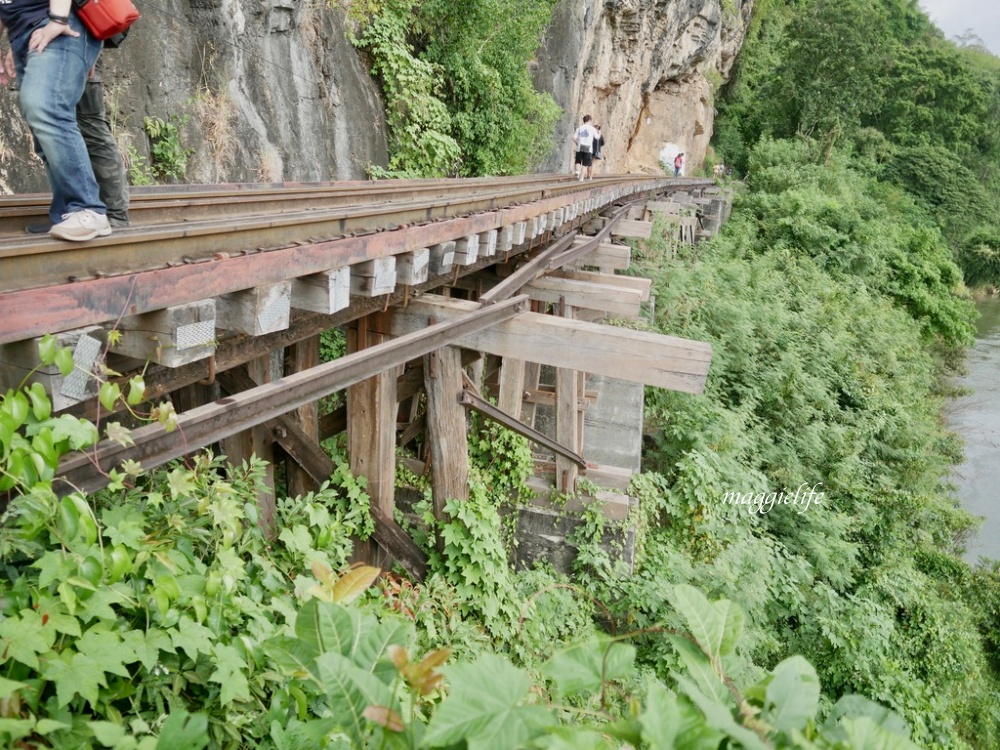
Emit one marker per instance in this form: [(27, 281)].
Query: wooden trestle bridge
[(221, 292)]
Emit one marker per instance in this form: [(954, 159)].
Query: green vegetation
[(875, 77), (459, 96)]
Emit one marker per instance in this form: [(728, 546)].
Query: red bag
[(105, 18)]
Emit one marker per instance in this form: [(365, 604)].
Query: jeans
[(51, 84), (105, 156)]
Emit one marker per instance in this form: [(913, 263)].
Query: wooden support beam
[(505, 240), (637, 356), (310, 456), (373, 278), (607, 255), (172, 337), (256, 440), (263, 309), (299, 357), (371, 432), (413, 267), (325, 292), (567, 421), (614, 505), (467, 250), (442, 257), (446, 428), (154, 446), (20, 360), (627, 282), (488, 243), (511, 386), (616, 301), (545, 395)]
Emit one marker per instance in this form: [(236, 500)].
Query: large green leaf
[(701, 670), (292, 655), (716, 626), (229, 673), (585, 667), (720, 717), (864, 734), (484, 708), (349, 691), (183, 731), (74, 673), (661, 719), (792, 694), (328, 628)]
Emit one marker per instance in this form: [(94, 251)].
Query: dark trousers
[(105, 156)]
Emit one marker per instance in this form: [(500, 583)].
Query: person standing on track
[(53, 54), (583, 144)]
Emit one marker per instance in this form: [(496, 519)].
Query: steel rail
[(204, 425), (196, 202), (32, 262)]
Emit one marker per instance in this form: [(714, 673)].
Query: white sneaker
[(80, 226)]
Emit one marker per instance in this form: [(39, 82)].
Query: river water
[(976, 417)]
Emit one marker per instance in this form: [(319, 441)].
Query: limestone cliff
[(645, 70), (262, 90), (269, 90)]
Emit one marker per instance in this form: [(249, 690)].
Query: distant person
[(598, 144), (583, 144), (53, 55), (678, 164)]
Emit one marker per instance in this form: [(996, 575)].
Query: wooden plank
[(446, 429), (632, 228), (299, 357), (627, 282), (614, 506), (255, 441), (637, 356), (488, 243), (505, 240), (20, 360), (467, 250), (325, 292), (263, 309), (413, 267), (617, 301), (374, 278), (567, 428), (520, 232), (663, 207), (442, 257), (546, 395), (608, 477), (607, 255), (171, 337), (371, 431), (511, 390)]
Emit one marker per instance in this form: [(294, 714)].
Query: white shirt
[(585, 136)]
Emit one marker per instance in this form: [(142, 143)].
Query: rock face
[(260, 90), (271, 90), (645, 70)]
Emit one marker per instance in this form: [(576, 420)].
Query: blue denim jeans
[(51, 84)]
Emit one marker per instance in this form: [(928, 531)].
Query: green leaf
[(354, 583), (586, 667), (698, 666), (292, 655), (792, 694), (65, 362), (349, 691), (47, 348), (716, 626), (108, 733), (108, 649), (9, 687), (41, 406), (184, 731), (75, 674), (109, 394), (719, 716), (484, 709), (193, 637), (229, 672), (24, 637)]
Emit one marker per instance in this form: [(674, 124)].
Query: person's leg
[(51, 85), (105, 156)]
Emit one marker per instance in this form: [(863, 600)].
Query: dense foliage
[(921, 111), (459, 95)]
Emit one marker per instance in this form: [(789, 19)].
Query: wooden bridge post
[(257, 441), (300, 356), (567, 421), (371, 432), (446, 428)]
